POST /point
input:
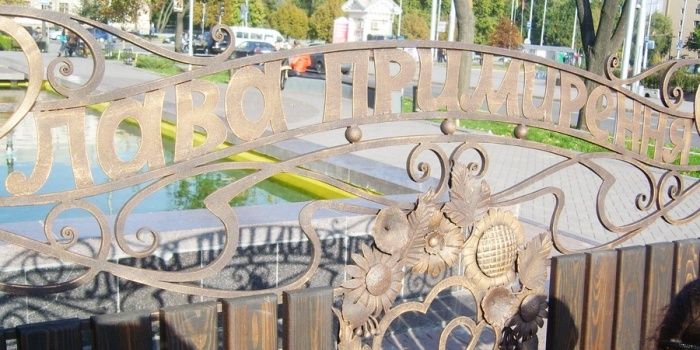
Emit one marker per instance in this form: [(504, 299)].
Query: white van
[(271, 36)]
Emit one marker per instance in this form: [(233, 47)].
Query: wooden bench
[(242, 323), (615, 299)]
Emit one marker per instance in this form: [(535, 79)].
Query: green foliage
[(693, 42), (7, 43), (92, 9), (322, 19), (487, 14), (157, 64), (559, 24), (257, 13), (414, 26), (661, 33), (290, 20), (506, 35), (111, 10)]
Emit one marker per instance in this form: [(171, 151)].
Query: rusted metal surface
[(460, 221)]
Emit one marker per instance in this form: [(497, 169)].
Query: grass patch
[(543, 136), (551, 138), (220, 77), (167, 67), (158, 65)]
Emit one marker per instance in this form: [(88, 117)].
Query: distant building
[(370, 17), (674, 10), (72, 7)]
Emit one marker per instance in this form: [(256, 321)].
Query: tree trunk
[(178, 31), (465, 33), (164, 16), (601, 41)]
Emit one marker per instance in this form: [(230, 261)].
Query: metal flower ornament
[(505, 274)]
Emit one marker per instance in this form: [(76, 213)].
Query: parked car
[(318, 63), (253, 47), (102, 36), (650, 93), (205, 44), (250, 48)]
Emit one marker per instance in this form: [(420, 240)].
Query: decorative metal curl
[(477, 169), (424, 167)]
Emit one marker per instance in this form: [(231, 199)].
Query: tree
[(93, 10), (506, 35), (560, 23), (661, 33), (111, 10), (161, 11), (322, 19), (414, 26), (464, 11), (290, 20), (693, 42), (228, 15), (602, 40), (487, 14)]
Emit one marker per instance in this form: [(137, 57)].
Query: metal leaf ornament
[(419, 222), (533, 261), (465, 195)]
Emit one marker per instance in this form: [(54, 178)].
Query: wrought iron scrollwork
[(463, 221)]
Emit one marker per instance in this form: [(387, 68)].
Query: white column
[(573, 32), (398, 30), (433, 24), (453, 21), (191, 29), (628, 40), (529, 24), (638, 49), (544, 20), (646, 38), (679, 44)]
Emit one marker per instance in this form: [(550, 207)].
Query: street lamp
[(529, 24), (544, 20), (679, 45)]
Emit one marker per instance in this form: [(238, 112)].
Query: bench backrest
[(244, 323), (615, 299)]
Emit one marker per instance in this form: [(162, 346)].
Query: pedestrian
[(185, 42), (63, 39)]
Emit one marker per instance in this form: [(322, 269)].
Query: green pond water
[(18, 153)]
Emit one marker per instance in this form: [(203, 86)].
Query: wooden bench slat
[(250, 323), (566, 288), (658, 288), (686, 263), (126, 330), (308, 319), (629, 298), (600, 299), (189, 327), (53, 335)]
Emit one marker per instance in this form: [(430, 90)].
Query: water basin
[(18, 153)]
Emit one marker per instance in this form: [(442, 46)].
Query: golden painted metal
[(460, 220)]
